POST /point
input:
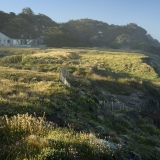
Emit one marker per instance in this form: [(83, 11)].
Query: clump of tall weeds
[(20, 133)]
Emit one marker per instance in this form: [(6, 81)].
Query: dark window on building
[(8, 41)]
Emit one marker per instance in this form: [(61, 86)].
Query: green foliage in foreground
[(28, 137)]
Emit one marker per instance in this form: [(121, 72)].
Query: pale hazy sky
[(145, 13)]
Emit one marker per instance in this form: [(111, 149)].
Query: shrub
[(20, 126), (151, 129), (12, 59), (22, 134)]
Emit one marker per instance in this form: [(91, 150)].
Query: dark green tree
[(27, 10)]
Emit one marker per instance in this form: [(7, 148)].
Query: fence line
[(111, 106)]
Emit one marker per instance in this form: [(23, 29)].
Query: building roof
[(1, 34)]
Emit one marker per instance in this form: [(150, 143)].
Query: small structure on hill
[(63, 75), (4, 40), (68, 79), (7, 41)]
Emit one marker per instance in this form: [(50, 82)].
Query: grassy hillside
[(81, 128)]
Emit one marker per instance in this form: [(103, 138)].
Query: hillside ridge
[(76, 33)]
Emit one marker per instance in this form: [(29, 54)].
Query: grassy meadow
[(40, 118)]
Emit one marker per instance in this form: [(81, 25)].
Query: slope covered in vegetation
[(76, 124)]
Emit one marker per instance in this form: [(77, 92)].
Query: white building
[(6, 41)]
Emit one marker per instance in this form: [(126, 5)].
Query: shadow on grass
[(113, 84)]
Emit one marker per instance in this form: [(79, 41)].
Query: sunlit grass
[(32, 74), (127, 63)]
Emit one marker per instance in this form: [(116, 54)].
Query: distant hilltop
[(76, 33)]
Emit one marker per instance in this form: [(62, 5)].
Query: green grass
[(29, 84)]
